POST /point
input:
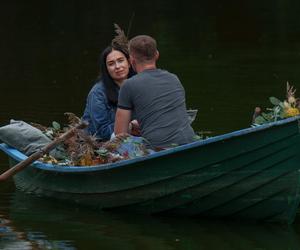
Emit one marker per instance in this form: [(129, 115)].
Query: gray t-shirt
[(157, 99)]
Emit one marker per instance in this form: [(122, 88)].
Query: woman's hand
[(134, 128)]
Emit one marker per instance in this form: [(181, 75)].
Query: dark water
[(230, 55), (32, 223)]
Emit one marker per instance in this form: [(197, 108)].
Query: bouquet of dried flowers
[(86, 150), (280, 110)]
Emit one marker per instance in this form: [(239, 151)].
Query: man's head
[(142, 49)]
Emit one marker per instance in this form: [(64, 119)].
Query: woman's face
[(117, 66)]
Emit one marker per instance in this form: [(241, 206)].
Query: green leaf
[(260, 120), (56, 125), (282, 115), (102, 152), (197, 138), (281, 105), (49, 133), (275, 101), (267, 116)]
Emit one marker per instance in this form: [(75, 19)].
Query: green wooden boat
[(247, 174)]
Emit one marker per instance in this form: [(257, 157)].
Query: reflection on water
[(33, 223)]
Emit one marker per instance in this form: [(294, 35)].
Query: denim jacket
[(99, 113)]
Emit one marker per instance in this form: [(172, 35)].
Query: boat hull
[(250, 174)]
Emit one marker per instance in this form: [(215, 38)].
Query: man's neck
[(142, 67)]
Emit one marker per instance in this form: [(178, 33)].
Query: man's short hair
[(143, 48)]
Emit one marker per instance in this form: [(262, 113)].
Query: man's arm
[(122, 121)]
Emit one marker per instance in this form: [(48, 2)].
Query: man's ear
[(132, 62), (131, 59), (156, 55)]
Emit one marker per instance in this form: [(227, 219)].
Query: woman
[(102, 100)]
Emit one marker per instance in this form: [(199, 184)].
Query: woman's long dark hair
[(112, 89)]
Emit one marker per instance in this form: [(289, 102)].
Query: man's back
[(157, 100)]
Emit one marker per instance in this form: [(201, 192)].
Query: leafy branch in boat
[(281, 109)]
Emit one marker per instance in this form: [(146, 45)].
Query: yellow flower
[(291, 112)]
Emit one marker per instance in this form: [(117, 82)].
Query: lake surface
[(231, 56), (32, 223)]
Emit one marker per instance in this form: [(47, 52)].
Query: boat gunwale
[(18, 156)]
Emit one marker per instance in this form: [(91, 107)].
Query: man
[(155, 97)]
